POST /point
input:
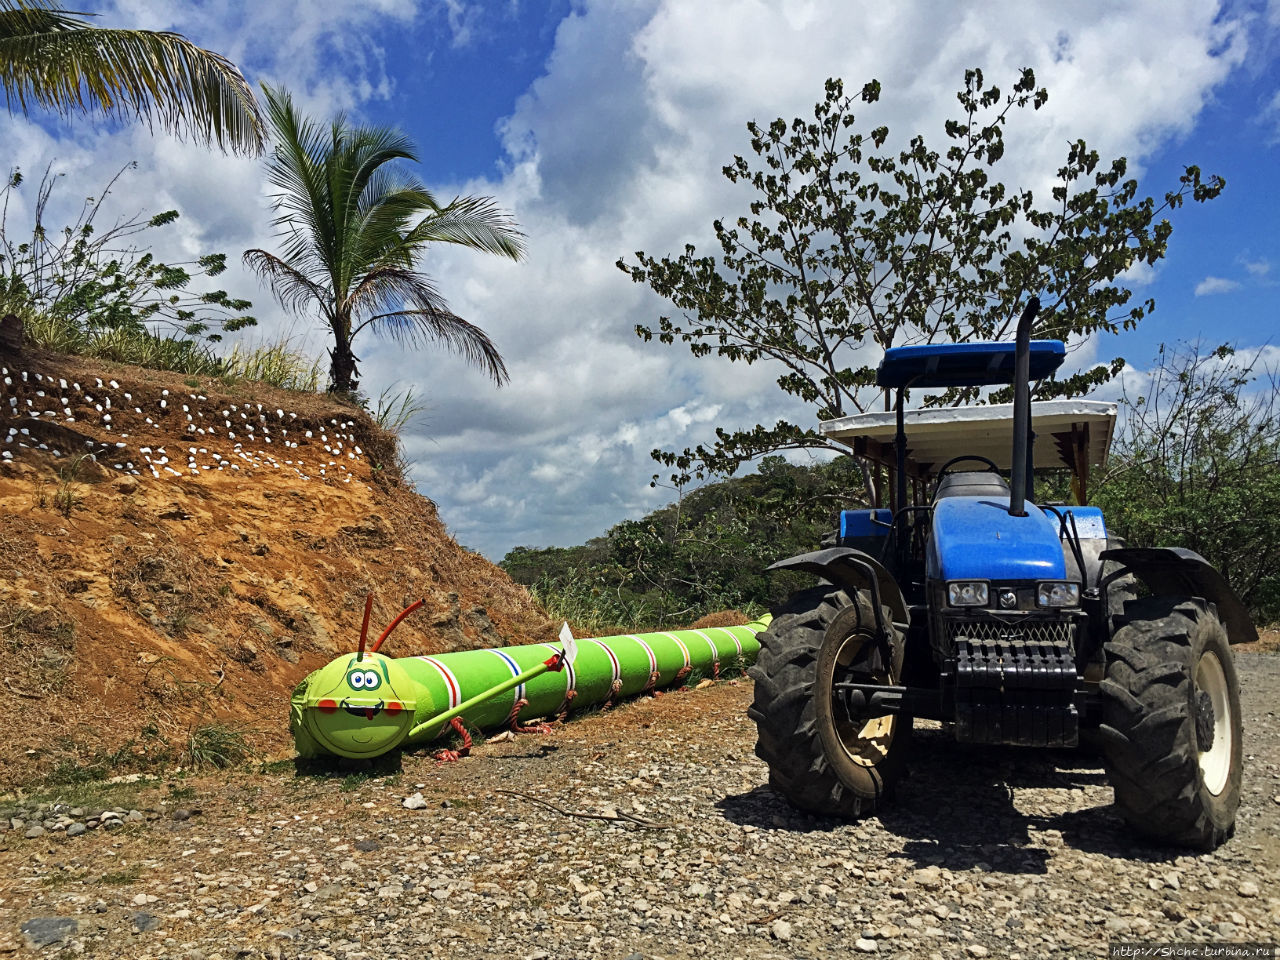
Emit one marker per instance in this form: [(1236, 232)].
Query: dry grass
[(39, 646), (722, 618), (1268, 641)]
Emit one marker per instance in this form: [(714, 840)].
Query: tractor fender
[(852, 569), (1175, 571)]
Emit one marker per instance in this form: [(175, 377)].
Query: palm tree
[(353, 225), (52, 58)]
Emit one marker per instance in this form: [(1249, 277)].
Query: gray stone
[(45, 931), (76, 829), (33, 832), (145, 922)]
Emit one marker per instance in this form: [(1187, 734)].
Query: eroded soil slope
[(176, 553)]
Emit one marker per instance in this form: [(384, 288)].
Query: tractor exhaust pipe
[(1019, 473)]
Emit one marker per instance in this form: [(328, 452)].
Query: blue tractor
[(963, 601)]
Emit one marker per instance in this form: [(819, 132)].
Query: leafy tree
[(353, 227), (97, 280), (1197, 464), (53, 59), (850, 243)]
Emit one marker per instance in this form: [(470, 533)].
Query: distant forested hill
[(706, 552)]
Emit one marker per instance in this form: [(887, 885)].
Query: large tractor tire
[(820, 758), (1171, 727)]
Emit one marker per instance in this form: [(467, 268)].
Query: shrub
[(1197, 464)]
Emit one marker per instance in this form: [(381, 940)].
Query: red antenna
[(364, 627), (396, 622)]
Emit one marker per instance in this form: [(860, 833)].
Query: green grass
[(122, 878), (275, 364), (94, 793), (63, 877), (216, 745), (393, 410), (123, 345)]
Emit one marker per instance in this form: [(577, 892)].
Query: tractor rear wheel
[(822, 757), (1171, 726)]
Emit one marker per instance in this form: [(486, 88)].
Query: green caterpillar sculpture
[(365, 704)]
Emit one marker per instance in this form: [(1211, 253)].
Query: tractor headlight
[(1057, 593), (968, 593)]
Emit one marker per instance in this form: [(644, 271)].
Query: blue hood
[(975, 538)]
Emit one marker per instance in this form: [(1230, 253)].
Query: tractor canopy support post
[(900, 455), (900, 458), (1021, 462)]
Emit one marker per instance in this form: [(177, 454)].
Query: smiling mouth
[(367, 712)]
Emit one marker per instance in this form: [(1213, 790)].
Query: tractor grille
[(1022, 631), (1013, 682)]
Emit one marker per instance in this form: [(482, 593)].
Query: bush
[(1196, 464), (95, 281)]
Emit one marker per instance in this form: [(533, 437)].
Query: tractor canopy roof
[(963, 364), (1069, 433)]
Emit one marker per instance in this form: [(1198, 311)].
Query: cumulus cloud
[(1211, 285), (618, 147)]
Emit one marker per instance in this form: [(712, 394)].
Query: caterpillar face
[(360, 706)]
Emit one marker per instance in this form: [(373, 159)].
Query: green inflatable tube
[(365, 704)]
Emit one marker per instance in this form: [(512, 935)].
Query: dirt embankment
[(176, 553)]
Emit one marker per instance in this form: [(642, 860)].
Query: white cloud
[(1211, 285), (619, 147), (1257, 268), (1269, 116)]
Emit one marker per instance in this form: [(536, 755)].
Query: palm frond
[(53, 59), (463, 338), (410, 309), (292, 288), (475, 222)]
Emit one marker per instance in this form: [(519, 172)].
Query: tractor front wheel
[(824, 757), (1171, 726)]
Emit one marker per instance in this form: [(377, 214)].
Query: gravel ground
[(986, 852)]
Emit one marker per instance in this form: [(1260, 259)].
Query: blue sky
[(603, 127)]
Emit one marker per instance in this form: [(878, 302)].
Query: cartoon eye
[(356, 679), (371, 680)]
